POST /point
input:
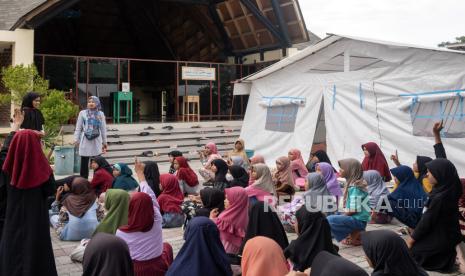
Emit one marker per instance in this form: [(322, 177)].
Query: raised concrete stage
[(125, 142)]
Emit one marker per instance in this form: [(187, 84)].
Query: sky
[(421, 22)]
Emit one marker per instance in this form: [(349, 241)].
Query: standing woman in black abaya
[(26, 246), (33, 118)]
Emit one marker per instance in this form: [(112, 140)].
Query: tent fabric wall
[(359, 106)]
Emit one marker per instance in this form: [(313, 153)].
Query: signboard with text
[(198, 73)]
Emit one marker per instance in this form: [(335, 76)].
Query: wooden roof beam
[(281, 22), (267, 23), (219, 25)]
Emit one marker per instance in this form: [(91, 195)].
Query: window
[(426, 110), (281, 113)]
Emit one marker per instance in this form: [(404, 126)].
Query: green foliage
[(460, 39), (57, 110), (21, 79)]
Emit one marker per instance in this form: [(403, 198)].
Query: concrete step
[(159, 159), (161, 151), (160, 131), (169, 137), (170, 144)]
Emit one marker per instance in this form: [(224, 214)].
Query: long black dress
[(4, 180), (438, 232), (26, 246)]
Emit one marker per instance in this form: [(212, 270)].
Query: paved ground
[(175, 237)]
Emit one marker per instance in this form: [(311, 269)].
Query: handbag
[(94, 132)]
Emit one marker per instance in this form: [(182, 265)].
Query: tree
[(20, 80), (57, 110), (460, 39)]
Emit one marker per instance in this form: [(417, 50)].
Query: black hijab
[(107, 254), (448, 187), (240, 175), (314, 237), (103, 164), (33, 118), (322, 157), (222, 170), (152, 176), (211, 198), (389, 254), (265, 222), (421, 164), (327, 264)]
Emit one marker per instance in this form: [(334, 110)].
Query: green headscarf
[(117, 204)]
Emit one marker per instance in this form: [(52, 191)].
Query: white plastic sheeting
[(361, 105)]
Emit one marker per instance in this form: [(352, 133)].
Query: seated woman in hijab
[(143, 234), (170, 201), (316, 157), (202, 205), (313, 236), (152, 176), (116, 206), (239, 151), (202, 242), (103, 175), (282, 178), (375, 160), (232, 222), (408, 198), (240, 176), (355, 219), (106, 254), (171, 156), (437, 234), (207, 155), (327, 264), (256, 159), (315, 197), (220, 169), (263, 185), (79, 213), (327, 171), (378, 197), (263, 221), (33, 118), (123, 178), (388, 254), (299, 171), (186, 176), (263, 256)]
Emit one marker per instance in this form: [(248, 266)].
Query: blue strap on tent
[(460, 105), (334, 96), (361, 96), (412, 106), (431, 93)]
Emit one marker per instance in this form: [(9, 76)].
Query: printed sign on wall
[(198, 73)]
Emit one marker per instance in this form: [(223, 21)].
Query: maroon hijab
[(171, 197), (25, 163), (186, 173), (376, 161), (141, 214)]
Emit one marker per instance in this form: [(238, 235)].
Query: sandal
[(144, 133), (149, 128)]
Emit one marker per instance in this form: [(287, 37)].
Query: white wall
[(23, 45)]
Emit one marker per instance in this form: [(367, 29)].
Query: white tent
[(347, 91)]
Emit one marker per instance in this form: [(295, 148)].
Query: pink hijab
[(214, 155), (298, 165), (232, 222)]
